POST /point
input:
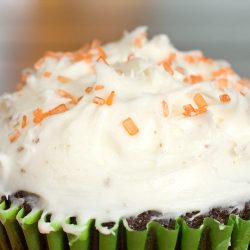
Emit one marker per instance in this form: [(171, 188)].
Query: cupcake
[(129, 145)]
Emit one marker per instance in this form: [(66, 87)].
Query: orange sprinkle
[(24, 77), (168, 68), (189, 109), (193, 79), (52, 54), (223, 71), (130, 126), (165, 108), (87, 57), (172, 56), (68, 95), (225, 98), (206, 60), (200, 101), (39, 63), (200, 110), (189, 58), (110, 98), (102, 59), (98, 100), (24, 121), (139, 39), (39, 115), (222, 83), (101, 52), (88, 90), (64, 79), (14, 135), (99, 87), (47, 74), (57, 110), (20, 86)]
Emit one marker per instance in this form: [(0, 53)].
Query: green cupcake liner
[(19, 231)]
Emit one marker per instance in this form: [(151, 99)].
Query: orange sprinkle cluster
[(165, 108), (130, 126), (39, 115), (201, 106), (225, 98)]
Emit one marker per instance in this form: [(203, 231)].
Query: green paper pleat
[(190, 237), (136, 240), (220, 235), (4, 241), (166, 238), (241, 234), (29, 224), (14, 232), (81, 241), (109, 242), (56, 238)]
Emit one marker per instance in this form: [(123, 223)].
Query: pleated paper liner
[(19, 231)]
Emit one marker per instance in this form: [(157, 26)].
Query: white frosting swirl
[(84, 163)]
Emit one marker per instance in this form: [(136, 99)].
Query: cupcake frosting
[(110, 131)]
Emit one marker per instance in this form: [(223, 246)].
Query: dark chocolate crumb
[(48, 218), (245, 213), (108, 225), (20, 149), (193, 220), (140, 222), (28, 199), (220, 214), (73, 220), (22, 171), (36, 140), (7, 201)]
